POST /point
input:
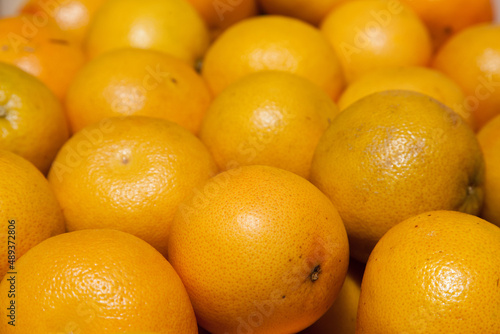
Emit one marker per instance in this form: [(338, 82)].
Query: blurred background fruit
[(131, 81), (221, 14), (33, 123), (269, 118), (489, 138), (392, 155), (129, 174), (28, 200), (72, 16), (415, 78), (444, 18), (259, 250), (472, 59), (272, 43), (369, 34), (94, 281), (433, 273), (42, 50), (312, 11), (170, 26)]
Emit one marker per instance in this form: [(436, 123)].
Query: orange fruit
[(42, 50), (221, 14), (393, 155), (434, 273), (129, 174), (29, 210), (418, 79), (472, 59), (72, 16), (306, 10), (267, 118), (341, 317), (272, 43), (32, 121), (137, 82), (170, 26), (369, 34), (96, 281), (444, 18), (489, 139), (260, 250)]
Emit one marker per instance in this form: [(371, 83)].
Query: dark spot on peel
[(315, 273), (174, 80), (59, 41), (283, 297)]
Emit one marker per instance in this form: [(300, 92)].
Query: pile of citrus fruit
[(250, 166)]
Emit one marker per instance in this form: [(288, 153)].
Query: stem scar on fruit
[(315, 273)]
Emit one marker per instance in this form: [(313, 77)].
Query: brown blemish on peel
[(315, 273)]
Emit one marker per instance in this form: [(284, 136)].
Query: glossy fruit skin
[(268, 118), (259, 249), (393, 155), (445, 18), (370, 34), (139, 82), (33, 123), (415, 78), (97, 281), (472, 59), (129, 174), (170, 26), (272, 43), (310, 11), (28, 208), (489, 139), (435, 272), (71, 16), (42, 50)]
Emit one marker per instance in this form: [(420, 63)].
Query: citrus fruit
[(41, 49), (221, 14), (29, 210), (272, 43), (137, 82), (444, 18), (341, 317), (72, 16), (434, 273), (393, 155), (369, 34), (170, 26), (267, 118), (472, 59), (489, 139), (415, 78), (306, 10), (32, 121), (129, 174), (95, 281), (260, 250)]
